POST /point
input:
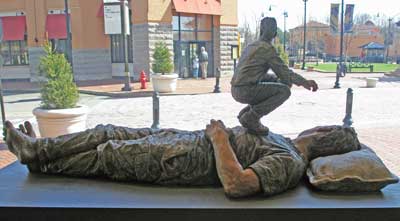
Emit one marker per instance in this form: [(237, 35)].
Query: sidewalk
[(184, 87), (112, 87)]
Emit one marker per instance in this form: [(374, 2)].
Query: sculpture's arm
[(237, 182), (286, 75)]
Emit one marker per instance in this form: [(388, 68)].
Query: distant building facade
[(185, 26), (321, 41)]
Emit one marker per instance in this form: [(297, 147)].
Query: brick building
[(321, 40), (184, 26)]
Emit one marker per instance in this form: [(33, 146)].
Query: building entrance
[(184, 58), (188, 52)]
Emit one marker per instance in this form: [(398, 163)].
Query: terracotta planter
[(56, 122), (164, 83)]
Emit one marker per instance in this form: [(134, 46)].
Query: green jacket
[(255, 62)]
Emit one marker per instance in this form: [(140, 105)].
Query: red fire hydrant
[(143, 80)]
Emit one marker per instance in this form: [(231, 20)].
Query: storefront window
[(204, 36), (118, 49), (204, 22), (59, 45), (14, 53), (191, 33), (175, 23), (188, 36), (188, 23), (118, 46)]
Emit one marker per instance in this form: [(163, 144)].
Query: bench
[(361, 65), (25, 196)]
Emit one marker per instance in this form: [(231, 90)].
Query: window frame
[(118, 54), (11, 53)]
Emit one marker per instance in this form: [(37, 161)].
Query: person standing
[(203, 62), (195, 67)]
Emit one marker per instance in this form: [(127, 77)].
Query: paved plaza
[(375, 112)]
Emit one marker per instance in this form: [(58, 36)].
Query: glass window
[(118, 46), (188, 23), (204, 36), (204, 22), (14, 53), (59, 45), (117, 49), (175, 23), (176, 35), (188, 36)]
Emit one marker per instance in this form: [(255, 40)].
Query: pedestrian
[(195, 67), (203, 62)]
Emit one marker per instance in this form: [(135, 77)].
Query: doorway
[(186, 56)]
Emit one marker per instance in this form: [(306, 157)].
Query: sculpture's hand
[(311, 85), (216, 130)]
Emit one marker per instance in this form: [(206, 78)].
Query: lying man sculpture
[(244, 163)]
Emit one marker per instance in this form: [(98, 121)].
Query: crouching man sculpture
[(244, 164)]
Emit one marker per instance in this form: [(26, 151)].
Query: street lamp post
[(305, 34), (125, 21), (69, 42), (389, 38), (340, 70), (285, 15)]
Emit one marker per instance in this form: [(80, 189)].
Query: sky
[(316, 9)]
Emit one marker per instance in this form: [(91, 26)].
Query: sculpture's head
[(328, 140), (203, 49), (268, 29)]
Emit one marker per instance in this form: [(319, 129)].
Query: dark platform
[(25, 196)]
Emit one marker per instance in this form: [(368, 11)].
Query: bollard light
[(217, 88), (348, 120), (156, 111)]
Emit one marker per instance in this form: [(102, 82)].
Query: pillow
[(356, 171)]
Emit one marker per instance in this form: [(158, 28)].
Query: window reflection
[(175, 23), (14, 53), (188, 23), (204, 22)]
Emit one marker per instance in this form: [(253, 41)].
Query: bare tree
[(361, 19)]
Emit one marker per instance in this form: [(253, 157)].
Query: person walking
[(203, 62)]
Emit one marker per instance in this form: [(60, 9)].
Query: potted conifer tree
[(58, 113), (163, 80)]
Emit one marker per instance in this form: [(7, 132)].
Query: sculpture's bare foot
[(216, 130), (28, 129), (20, 144)]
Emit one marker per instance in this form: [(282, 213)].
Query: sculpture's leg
[(269, 96), (121, 160), (263, 99), (49, 149)]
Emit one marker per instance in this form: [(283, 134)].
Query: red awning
[(206, 7), (100, 12), (56, 26), (14, 28)]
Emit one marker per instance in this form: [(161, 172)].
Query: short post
[(156, 111), (348, 120), (217, 88)]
